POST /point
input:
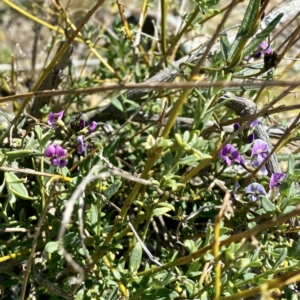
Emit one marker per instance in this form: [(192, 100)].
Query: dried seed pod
[(272, 60)]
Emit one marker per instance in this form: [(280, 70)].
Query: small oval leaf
[(135, 257), (117, 104), (51, 247)]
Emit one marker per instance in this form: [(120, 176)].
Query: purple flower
[(81, 123), (260, 149), (255, 163), (264, 48), (54, 117), (235, 190), (93, 126), (228, 153), (250, 138), (236, 126), (255, 190), (254, 123), (276, 181), (57, 155), (81, 145)]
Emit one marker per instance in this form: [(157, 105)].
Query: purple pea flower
[(81, 145), (254, 123), (93, 126), (260, 149), (54, 117), (235, 190), (228, 154), (236, 126), (57, 155), (81, 123), (255, 190), (255, 163), (264, 48), (276, 181), (250, 138)]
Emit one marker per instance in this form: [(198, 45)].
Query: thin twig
[(37, 233)]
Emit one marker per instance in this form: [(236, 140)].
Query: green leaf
[(2, 186), (93, 217), (46, 137), (135, 257), (281, 258), (194, 267), (190, 245), (247, 23), (15, 185), (291, 164), (198, 110), (292, 190), (71, 239), (285, 189), (254, 264), (80, 295), (241, 263), (166, 204), (225, 46), (51, 247), (133, 104), (11, 199), (186, 136), (160, 211), (110, 149), (267, 205), (294, 251), (113, 295), (12, 155), (200, 154), (116, 274), (188, 160), (117, 104), (223, 230), (168, 159), (38, 131), (251, 70), (161, 294), (295, 200), (251, 47), (112, 189), (208, 235)]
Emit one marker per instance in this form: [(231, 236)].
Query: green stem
[(164, 9), (175, 111)]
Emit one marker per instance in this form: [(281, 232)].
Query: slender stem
[(149, 86), (164, 10), (175, 111), (216, 249), (37, 233)]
